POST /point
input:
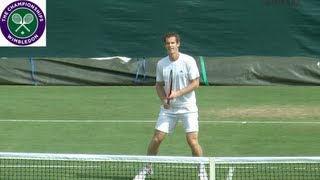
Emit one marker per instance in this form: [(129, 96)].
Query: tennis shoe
[(202, 174), (146, 171)]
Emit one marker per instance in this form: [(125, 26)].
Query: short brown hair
[(171, 34)]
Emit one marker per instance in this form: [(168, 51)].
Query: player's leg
[(155, 142), (166, 123), (153, 149), (191, 127), (192, 139)]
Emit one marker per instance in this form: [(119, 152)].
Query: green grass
[(216, 103)]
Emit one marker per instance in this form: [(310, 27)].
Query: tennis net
[(36, 166)]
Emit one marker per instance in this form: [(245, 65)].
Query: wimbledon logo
[(22, 23)]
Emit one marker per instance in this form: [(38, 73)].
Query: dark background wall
[(209, 28)]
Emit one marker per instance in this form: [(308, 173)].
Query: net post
[(212, 168)]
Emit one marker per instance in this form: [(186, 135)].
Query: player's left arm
[(193, 85)]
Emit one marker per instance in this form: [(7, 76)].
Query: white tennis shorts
[(167, 122)]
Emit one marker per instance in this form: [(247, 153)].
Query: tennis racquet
[(169, 85)]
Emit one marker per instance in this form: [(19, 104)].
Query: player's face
[(172, 45)]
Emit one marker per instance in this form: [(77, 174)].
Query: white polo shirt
[(184, 70)]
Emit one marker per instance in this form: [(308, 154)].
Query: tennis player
[(182, 106)]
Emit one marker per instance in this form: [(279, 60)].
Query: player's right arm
[(162, 94)]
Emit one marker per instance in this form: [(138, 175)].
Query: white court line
[(151, 121), (75, 121), (45, 166)]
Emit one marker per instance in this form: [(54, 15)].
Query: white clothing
[(184, 107), (184, 70), (168, 122)]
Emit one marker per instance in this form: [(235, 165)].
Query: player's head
[(172, 42), (171, 34)]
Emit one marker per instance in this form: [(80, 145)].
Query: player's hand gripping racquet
[(169, 86)]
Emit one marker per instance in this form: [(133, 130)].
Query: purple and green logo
[(22, 23)]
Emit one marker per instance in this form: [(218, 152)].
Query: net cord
[(266, 160), (110, 158), (169, 159)]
